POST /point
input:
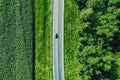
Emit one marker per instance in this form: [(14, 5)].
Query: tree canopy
[(99, 34)]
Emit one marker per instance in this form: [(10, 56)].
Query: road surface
[(58, 42)]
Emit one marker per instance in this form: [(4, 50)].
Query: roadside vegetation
[(43, 25), (71, 23)]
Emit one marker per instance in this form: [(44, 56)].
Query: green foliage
[(16, 39), (97, 5), (98, 39), (71, 22), (86, 14), (43, 61), (114, 3)]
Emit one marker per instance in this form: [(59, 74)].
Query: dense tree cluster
[(99, 36)]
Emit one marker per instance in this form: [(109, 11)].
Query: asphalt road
[(58, 40)]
